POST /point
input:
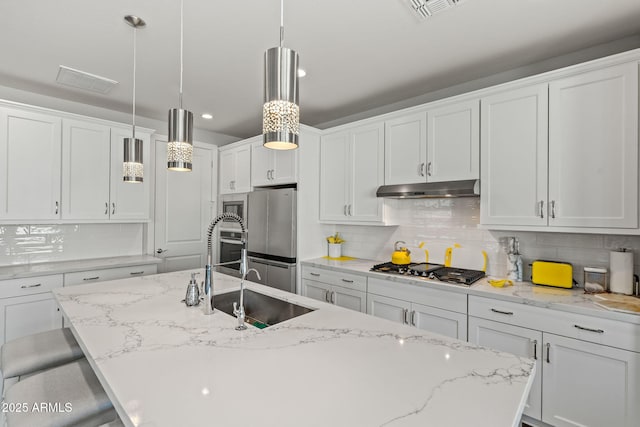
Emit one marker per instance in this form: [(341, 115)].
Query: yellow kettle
[(401, 255)]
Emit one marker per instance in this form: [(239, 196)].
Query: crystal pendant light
[(180, 145), (132, 168), (280, 113)]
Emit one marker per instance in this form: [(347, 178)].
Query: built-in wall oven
[(230, 250)]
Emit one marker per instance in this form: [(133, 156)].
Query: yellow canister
[(552, 273)]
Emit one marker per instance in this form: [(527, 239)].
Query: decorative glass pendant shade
[(133, 167), (133, 170), (180, 144), (280, 112)]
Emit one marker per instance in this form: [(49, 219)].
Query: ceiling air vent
[(427, 8), (83, 80)]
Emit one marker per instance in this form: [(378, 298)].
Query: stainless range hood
[(468, 188)]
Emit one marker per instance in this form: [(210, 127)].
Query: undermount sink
[(261, 310)]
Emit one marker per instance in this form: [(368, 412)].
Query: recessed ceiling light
[(301, 72), (207, 116)]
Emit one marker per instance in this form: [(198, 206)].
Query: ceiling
[(359, 54)]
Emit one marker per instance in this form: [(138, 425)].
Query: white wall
[(442, 222)]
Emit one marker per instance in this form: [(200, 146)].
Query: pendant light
[(132, 168), (280, 113), (180, 145)]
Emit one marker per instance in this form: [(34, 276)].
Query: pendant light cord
[(281, 23), (181, 46), (135, 30)]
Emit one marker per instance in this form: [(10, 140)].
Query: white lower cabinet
[(515, 340), (101, 275), (588, 369), (426, 308), (28, 307), (342, 289)]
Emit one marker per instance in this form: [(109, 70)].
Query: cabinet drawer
[(420, 294), (29, 285), (338, 278), (91, 276), (586, 328)]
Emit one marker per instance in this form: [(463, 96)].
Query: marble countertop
[(165, 364), (570, 300), (44, 268)]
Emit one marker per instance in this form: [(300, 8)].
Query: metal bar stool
[(33, 353), (68, 395)]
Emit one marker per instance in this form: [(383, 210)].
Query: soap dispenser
[(192, 297)]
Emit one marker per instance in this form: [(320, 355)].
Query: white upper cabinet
[(129, 201), (30, 144), (441, 144), (514, 157), (235, 169), (86, 167), (453, 142), (351, 170), (405, 150), (593, 149), (272, 167), (576, 137)]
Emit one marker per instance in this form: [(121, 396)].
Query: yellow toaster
[(552, 273)]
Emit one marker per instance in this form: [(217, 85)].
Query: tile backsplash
[(440, 223), (21, 244)]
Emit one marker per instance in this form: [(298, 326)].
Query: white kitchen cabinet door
[(129, 201), (367, 173), (334, 176), (453, 142), (26, 315), (235, 170), (317, 290), (586, 384), (515, 340), (593, 149), (31, 145), (86, 167), (349, 298), (272, 167), (513, 161), (388, 308), (405, 149), (443, 322)]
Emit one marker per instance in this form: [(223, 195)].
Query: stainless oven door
[(230, 250)]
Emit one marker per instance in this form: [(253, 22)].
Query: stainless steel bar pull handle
[(333, 297), (315, 274), (136, 273), (57, 206), (86, 279), (350, 214), (106, 208), (541, 204), (508, 313), (535, 349), (31, 286), (347, 281), (344, 209), (553, 209), (421, 169), (405, 315), (326, 296), (582, 328), (113, 208), (413, 318), (429, 168)]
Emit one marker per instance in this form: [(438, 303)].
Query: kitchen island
[(165, 364)]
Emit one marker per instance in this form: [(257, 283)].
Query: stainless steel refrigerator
[(271, 242)]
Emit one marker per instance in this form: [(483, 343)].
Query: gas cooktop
[(432, 271)]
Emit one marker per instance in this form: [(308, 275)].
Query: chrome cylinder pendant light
[(132, 167), (281, 111), (180, 144)]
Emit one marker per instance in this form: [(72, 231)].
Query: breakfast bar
[(165, 364)]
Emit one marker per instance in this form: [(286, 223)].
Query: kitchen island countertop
[(165, 364)]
